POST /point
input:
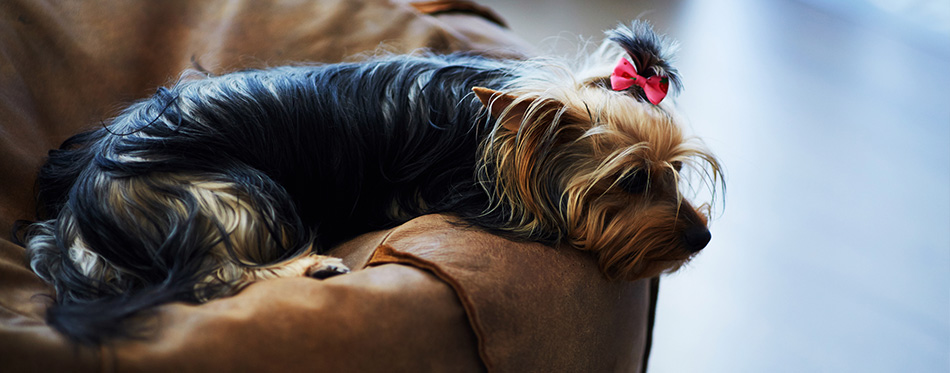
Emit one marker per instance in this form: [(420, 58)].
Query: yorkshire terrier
[(220, 181)]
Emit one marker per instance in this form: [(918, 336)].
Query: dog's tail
[(158, 238), (89, 310), (94, 300)]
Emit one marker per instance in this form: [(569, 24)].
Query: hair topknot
[(650, 53)]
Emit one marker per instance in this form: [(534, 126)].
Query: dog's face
[(606, 171)]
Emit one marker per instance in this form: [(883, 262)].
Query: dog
[(221, 181)]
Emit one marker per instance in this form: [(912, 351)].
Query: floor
[(831, 252)]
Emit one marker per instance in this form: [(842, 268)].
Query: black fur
[(331, 146)]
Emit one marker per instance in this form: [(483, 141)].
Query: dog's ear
[(497, 103)]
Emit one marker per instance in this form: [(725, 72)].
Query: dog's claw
[(327, 268)]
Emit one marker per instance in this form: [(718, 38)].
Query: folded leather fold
[(533, 307)]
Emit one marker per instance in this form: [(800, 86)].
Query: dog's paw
[(327, 267)]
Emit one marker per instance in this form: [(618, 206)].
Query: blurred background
[(832, 118)]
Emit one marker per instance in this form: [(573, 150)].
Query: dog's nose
[(696, 238)]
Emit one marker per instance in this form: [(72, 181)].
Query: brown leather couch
[(426, 296)]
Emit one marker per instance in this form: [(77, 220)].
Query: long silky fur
[(257, 167)]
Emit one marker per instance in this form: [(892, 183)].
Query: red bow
[(625, 76)]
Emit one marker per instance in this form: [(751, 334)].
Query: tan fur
[(251, 257), (239, 275), (583, 137)]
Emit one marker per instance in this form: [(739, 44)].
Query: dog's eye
[(677, 165), (634, 182)]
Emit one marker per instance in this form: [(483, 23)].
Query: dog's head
[(576, 158)]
